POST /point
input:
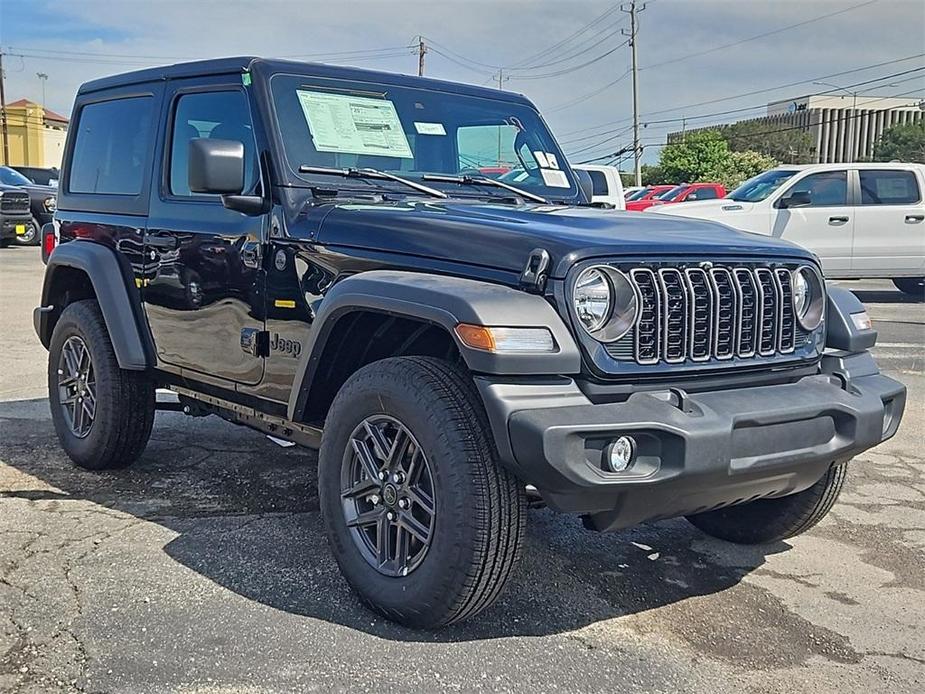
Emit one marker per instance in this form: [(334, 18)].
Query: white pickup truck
[(607, 186), (862, 220)]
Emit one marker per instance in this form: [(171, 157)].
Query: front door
[(826, 225), (204, 297)]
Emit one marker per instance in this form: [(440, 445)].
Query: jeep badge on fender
[(314, 252)]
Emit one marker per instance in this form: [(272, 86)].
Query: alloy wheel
[(387, 495), (77, 386)]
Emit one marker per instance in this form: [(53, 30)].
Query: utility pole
[(500, 88), (43, 78), (422, 49), (633, 12), (4, 115)]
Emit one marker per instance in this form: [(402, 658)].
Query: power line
[(756, 91), (527, 62), (759, 36)]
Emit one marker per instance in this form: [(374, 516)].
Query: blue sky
[(76, 41)]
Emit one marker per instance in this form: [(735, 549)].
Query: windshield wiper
[(372, 173), (482, 181)]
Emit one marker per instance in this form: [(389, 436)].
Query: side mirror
[(798, 198), (216, 166), (585, 183)]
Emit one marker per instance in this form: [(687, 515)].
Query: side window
[(703, 194), (217, 115), (111, 149), (599, 181), (826, 189), (888, 187)]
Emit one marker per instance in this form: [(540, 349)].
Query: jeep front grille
[(700, 313), (14, 202)]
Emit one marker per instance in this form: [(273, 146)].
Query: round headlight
[(605, 303), (51, 204), (808, 297), (592, 299)]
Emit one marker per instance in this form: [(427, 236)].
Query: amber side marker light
[(504, 339)]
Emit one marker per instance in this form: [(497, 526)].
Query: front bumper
[(9, 223), (694, 452)]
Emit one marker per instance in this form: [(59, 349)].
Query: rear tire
[(771, 520), (479, 508), (102, 414), (912, 286)]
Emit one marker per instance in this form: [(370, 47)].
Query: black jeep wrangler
[(316, 253)]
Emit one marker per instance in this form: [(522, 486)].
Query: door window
[(888, 187), (599, 183), (826, 189), (215, 115), (111, 149), (703, 194)]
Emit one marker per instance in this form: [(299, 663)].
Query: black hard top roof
[(240, 64)]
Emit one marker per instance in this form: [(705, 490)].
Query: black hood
[(501, 236)]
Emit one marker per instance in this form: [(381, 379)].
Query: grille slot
[(14, 201), (695, 314)]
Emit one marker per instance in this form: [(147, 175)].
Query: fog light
[(620, 453)]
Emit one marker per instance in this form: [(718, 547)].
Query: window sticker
[(429, 128), (553, 162), (554, 178), (350, 124), (541, 159)]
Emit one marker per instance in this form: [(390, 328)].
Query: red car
[(641, 199), (685, 192)]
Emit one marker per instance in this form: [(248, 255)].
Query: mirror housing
[(798, 198), (585, 183), (216, 166)]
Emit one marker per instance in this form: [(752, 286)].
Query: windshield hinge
[(533, 277)]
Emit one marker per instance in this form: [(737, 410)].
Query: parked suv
[(312, 252), (862, 220)]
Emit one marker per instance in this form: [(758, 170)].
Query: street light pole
[(43, 77)]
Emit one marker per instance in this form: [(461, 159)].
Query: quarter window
[(215, 115), (599, 183), (111, 150), (887, 187), (826, 189)]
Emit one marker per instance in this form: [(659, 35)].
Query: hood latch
[(533, 277)]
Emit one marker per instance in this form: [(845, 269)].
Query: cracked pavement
[(204, 568)]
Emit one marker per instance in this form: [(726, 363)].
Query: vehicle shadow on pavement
[(245, 514), (875, 296)]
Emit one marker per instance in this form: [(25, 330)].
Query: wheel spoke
[(70, 360), (367, 518), (399, 444), (380, 443), (369, 463), (402, 547), (414, 526), (383, 537), (421, 498), (364, 487)]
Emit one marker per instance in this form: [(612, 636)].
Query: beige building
[(36, 135), (844, 128)]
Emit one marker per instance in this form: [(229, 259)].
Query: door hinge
[(533, 277), (255, 341)]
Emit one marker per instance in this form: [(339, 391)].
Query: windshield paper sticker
[(350, 124), (541, 159), (554, 178), (429, 128), (553, 162)]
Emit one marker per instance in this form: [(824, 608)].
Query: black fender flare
[(445, 302), (841, 332), (110, 280)]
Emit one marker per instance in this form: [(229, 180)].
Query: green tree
[(652, 175), (744, 165), (700, 156), (791, 146), (903, 143)]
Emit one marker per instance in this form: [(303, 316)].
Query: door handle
[(914, 218), (165, 242), (838, 220)]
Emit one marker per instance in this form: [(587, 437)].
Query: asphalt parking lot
[(204, 569)]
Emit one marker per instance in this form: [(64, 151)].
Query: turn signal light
[(495, 339)]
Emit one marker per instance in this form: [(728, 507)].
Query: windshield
[(11, 177), (412, 132), (672, 193), (761, 186), (639, 194)]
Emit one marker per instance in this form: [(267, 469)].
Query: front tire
[(31, 237), (912, 286), (770, 520), (424, 523), (102, 414)]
